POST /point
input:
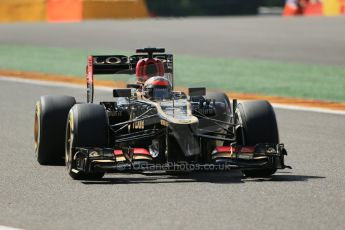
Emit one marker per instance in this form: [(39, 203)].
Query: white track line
[(308, 109), (8, 228), (69, 85)]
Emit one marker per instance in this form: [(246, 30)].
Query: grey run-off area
[(318, 40)]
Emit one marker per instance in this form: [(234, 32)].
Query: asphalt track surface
[(317, 40), (310, 196)]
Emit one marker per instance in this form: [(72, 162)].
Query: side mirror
[(195, 92), (122, 92)]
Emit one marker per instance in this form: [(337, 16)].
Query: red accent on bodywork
[(160, 83), (248, 149), (224, 149), (142, 66), (139, 151), (118, 152), (89, 70), (231, 149)]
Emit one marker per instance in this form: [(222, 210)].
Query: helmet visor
[(160, 93)]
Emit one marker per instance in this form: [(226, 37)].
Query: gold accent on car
[(37, 125), (164, 123), (139, 124)]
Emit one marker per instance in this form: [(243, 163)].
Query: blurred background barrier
[(56, 10), (77, 10), (70, 10), (105, 9), (334, 7), (314, 7), (203, 7), (22, 10)]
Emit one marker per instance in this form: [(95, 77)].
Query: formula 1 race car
[(149, 126)]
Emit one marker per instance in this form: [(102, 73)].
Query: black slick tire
[(259, 125), (49, 128), (87, 126)]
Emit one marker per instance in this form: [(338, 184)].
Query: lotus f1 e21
[(149, 125)]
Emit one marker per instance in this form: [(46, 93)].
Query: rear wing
[(121, 64)]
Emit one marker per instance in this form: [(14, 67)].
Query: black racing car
[(149, 126)]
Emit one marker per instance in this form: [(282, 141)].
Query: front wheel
[(51, 113), (87, 126), (258, 124)]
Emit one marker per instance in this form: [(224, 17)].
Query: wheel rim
[(37, 128), (69, 146)]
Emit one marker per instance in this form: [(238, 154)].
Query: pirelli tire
[(50, 127), (259, 125), (87, 126)]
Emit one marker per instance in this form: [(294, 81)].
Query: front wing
[(138, 159)]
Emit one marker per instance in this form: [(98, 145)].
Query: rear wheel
[(222, 113), (259, 125), (223, 110), (87, 126), (49, 128)]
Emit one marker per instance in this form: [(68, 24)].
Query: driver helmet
[(157, 88), (147, 68)]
